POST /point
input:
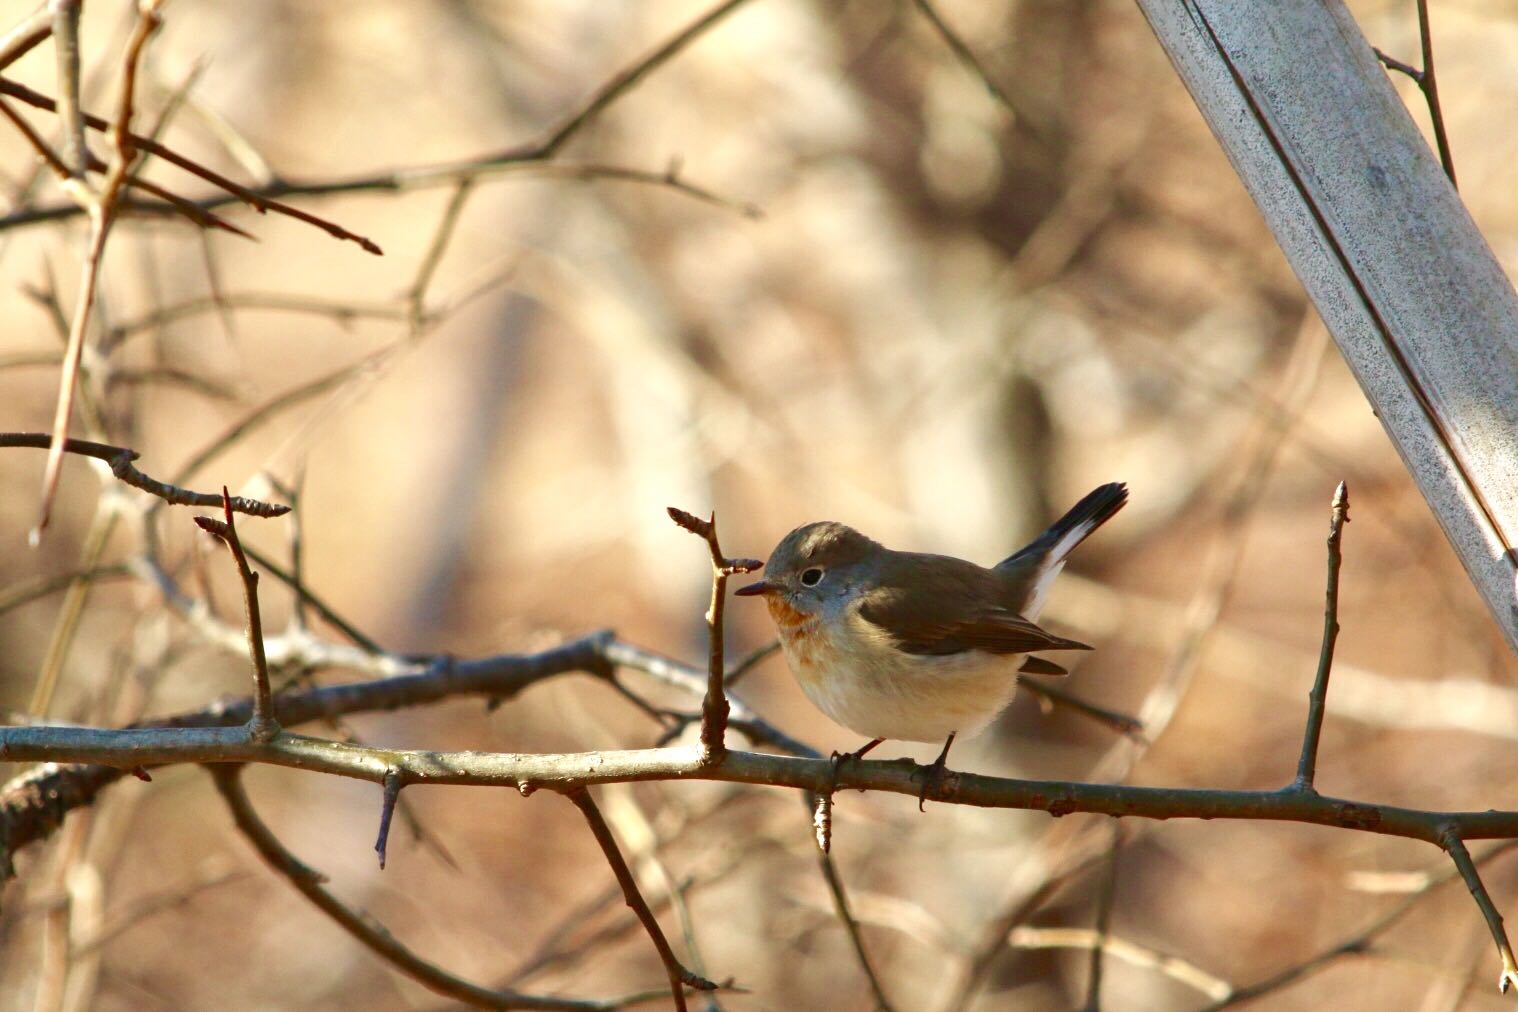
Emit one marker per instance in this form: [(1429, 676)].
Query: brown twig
[(120, 460), (259, 201), (102, 210), (963, 53), (1105, 901), (1428, 83), (1317, 699), (679, 977), (714, 709), (29, 33), (262, 726), (1455, 847), (372, 936)]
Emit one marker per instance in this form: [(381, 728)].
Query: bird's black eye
[(811, 577)]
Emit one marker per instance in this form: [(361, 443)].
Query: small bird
[(916, 647)]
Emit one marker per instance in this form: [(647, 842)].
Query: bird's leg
[(839, 758), (934, 774)]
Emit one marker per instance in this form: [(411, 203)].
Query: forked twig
[(262, 727), (1428, 83), (714, 708), (361, 926)]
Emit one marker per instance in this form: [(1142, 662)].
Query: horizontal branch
[(146, 747)]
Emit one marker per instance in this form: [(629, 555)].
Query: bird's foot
[(933, 776)]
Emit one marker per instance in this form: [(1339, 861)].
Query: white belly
[(856, 676)]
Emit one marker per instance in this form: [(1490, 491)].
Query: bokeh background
[(952, 314)]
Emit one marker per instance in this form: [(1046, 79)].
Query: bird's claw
[(932, 778)]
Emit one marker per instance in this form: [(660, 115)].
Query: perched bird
[(917, 647)]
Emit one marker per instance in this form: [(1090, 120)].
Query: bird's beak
[(756, 589)]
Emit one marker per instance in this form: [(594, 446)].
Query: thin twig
[(1455, 847), (850, 923), (1317, 699), (679, 977), (102, 210), (360, 925), (259, 201), (714, 709), (1052, 697), (262, 727), (120, 458), (737, 672), (1428, 83), (963, 53), (1105, 901)]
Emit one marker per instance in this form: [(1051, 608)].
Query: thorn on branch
[(393, 785), (714, 708)]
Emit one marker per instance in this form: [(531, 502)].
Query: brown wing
[(936, 605)]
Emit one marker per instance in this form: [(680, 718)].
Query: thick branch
[(125, 749)]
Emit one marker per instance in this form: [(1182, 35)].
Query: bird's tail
[(1035, 566)]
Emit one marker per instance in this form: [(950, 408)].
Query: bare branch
[(1455, 846), (262, 726), (714, 710), (259, 201), (102, 210), (679, 977), (362, 927), (120, 460), (1307, 765)]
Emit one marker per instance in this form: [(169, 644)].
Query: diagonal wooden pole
[(1374, 229)]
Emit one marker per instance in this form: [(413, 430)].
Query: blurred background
[(899, 300)]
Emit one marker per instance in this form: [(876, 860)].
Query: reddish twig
[(260, 202), (262, 727), (714, 709)]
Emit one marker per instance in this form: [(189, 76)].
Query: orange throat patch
[(798, 630)]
